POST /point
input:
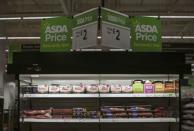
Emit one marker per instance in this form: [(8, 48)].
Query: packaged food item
[(37, 114), (176, 84), (79, 113), (138, 86), (158, 86), (104, 88), (93, 114), (34, 89), (139, 108), (93, 88), (148, 87), (115, 88), (189, 106), (120, 115), (78, 88), (65, 89), (160, 112), (107, 115), (54, 89), (112, 109), (62, 111), (26, 90), (169, 87), (126, 89), (43, 89)]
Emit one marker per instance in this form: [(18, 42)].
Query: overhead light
[(10, 18), (35, 76), (3, 38), (177, 17), (172, 17), (178, 37), (152, 16), (26, 18), (172, 37), (23, 38), (6, 50), (188, 37), (99, 37), (38, 18)]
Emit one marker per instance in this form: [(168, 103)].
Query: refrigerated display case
[(1, 112), (99, 90)]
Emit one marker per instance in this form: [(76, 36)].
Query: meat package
[(114, 112), (65, 88), (37, 114), (158, 86), (79, 113), (126, 89), (148, 87), (138, 86), (32, 89), (93, 114), (160, 112), (43, 89), (62, 113), (140, 111), (169, 87), (104, 88), (115, 88), (54, 89), (93, 88), (78, 88)]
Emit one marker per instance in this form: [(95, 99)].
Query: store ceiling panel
[(28, 8)]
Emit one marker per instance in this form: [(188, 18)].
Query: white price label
[(115, 36), (85, 36)]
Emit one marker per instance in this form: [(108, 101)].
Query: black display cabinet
[(1, 113), (33, 69)]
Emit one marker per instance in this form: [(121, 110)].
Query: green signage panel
[(56, 34), (86, 17), (146, 34), (13, 48), (115, 17)]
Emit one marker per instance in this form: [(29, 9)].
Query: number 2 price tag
[(85, 37), (115, 29), (85, 29)]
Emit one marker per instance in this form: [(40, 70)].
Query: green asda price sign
[(146, 34), (56, 34)]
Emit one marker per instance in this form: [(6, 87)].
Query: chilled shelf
[(141, 95), (123, 120), (97, 95), (69, 120), (59, 95), (101, 120)]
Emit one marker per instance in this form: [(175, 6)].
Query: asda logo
[(56, 33), (146, 28), (146, 33), (56, 29)]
